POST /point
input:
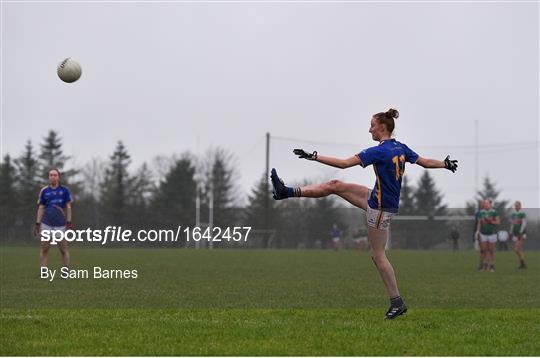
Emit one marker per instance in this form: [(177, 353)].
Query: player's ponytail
[(393, 113), (387, 118)]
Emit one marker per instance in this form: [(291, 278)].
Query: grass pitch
[(255, 302)]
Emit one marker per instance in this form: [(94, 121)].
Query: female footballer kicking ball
[(54, 214), (388, 160)]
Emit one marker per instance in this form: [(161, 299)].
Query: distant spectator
[(335, 235), (454, 238)]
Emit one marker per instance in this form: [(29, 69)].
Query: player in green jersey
[(486, 230), (518, 225), (476, 234)]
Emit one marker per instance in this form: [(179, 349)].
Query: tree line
[(109, 193), (164, 196)]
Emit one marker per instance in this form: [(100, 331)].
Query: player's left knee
[(377, 257), (334, 185)]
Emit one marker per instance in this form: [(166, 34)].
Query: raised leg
[(353, 193)]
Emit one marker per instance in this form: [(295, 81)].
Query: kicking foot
[(393, 312), (279, 189)]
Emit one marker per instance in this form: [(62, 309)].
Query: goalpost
[(204, 225)]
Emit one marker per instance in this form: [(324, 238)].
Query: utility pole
[(211, 216), (198, 212), (476, 154), (267, 186)]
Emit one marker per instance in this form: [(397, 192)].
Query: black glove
[(450, 164), (302, 154)]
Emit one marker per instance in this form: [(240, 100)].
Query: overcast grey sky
[(171, 77)]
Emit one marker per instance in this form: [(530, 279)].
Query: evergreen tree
[(8, 199), (173, 202), (256, 213), (139, 197), (407, 205), (428, 197), (218, 185), (116, 186), (488, 191), (142, 186), (28, 183), (52, 156), (429, 201), (404, 233)]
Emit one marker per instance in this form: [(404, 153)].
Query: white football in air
[(69, 70)]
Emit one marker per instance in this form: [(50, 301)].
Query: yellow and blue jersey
[(54, 201), (388, 160)]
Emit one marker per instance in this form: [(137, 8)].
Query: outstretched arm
[(434, 163), (339, 163), (430, 163), (331, 161)]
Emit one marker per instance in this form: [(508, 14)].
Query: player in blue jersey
[(54, 213), (335, 236), (388, 159)]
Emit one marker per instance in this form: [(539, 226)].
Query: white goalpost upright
[(197, 212), (211, 216), (203, 225)]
